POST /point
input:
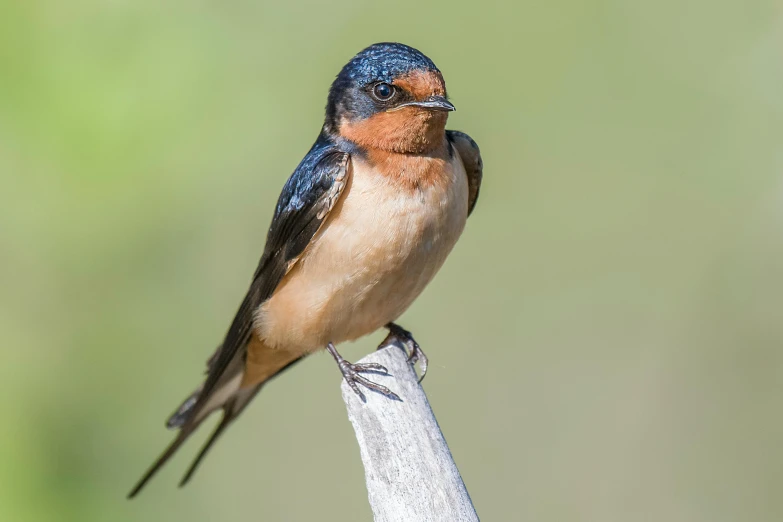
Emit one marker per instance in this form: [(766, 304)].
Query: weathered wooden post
[(411, 475)]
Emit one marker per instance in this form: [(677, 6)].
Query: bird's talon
[(351, 374), (370, 367), (405, 338), (356, 390), (354, 378)]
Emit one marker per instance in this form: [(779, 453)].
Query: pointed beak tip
[(439, 103)]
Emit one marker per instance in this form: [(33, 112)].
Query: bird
[(361, 227)]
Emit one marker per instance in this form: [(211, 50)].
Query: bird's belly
[(374, 255)]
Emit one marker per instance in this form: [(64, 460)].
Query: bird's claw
[(418, 355), (369, 367), (352, 375), (404, 337)]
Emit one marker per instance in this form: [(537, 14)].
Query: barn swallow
[(360, 228)]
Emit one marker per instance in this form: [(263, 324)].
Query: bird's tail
[(182, 436), (229, 397)]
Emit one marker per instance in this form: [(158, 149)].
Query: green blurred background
[(605, 339)]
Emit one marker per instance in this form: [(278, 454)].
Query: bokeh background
[(605, 339)]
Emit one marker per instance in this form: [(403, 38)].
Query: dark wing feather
[(304, 204), (182, 414), (469, 151)]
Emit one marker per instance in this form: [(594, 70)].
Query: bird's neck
[(409, 172)]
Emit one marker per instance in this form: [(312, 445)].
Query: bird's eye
[(383, 91)]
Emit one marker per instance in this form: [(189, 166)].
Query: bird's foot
[(404, 337), (351, 374)]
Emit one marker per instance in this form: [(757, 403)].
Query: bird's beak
[(433, 103)]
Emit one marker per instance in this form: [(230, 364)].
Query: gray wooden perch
[(411, 476)]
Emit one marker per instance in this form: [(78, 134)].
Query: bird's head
[(389, 97)]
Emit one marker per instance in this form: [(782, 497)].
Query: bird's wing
[(304, 204), (307, 198), (469, 151)]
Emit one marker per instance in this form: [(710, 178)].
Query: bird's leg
[(351, 372), (404, 337)]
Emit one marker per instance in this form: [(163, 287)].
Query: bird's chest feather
[(382, 243)]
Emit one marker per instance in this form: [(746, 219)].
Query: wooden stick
[(411, 476)]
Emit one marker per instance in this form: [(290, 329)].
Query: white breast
[(380, 246)]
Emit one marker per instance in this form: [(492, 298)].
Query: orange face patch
[(422, 84), (407, 130)]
